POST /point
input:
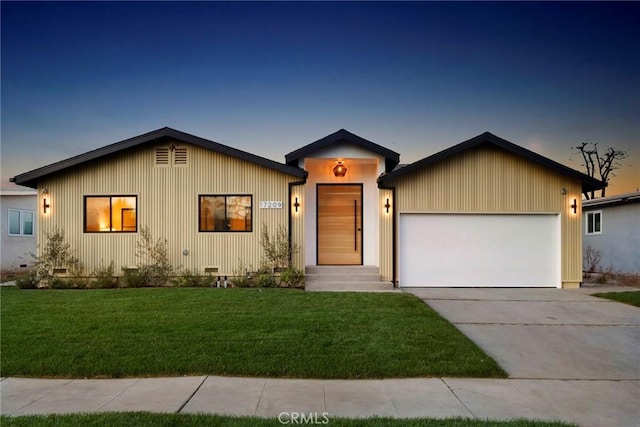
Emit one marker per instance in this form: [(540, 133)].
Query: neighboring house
[(485, 212), (18, 229), (612, 227)]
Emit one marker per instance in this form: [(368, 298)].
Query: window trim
[(591, 214), (200, 196), (110, 196), (21, 213)]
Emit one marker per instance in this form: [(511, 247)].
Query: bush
[(153, 259), (592, 258), (265, 280), (292, 277), (191, 279), (55, 253), (104, 277), (27, 282), (277, 248), (134, 278), (240, 279), (67, 283)]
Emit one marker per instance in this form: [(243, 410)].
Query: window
[(594, 222), (110, 214), (225, 213), (20, 223)]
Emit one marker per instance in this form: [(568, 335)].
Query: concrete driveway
[(545, 333)]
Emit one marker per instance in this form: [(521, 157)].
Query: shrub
[(265, 280), (292, 277), (240, 278), (56, 253), (132, 278), (153, 259), (278, 249), (68, 283), (104, 277), (592, 258), (191, 279), (27, 282)]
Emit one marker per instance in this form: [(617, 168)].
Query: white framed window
[(594, 222), (20, 223)]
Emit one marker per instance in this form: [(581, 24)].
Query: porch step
[(363, 278)]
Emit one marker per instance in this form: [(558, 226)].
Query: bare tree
[(600, 166)]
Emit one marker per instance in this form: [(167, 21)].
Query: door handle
[(355, 225)]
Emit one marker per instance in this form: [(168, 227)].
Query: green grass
[(178, 420), (630, 297), (115, 333)]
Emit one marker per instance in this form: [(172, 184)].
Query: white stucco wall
[(363, 167), (14, 248)]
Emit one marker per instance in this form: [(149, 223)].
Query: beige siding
[(491, 180), (168, 205), (297, 225), (386, 235)]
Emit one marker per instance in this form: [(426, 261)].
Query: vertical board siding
[(491, 180), (168, 206), (386, 235), (297, 226)]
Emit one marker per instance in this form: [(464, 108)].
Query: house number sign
[(270, 204)]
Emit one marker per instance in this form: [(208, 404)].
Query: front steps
[(348, 278)]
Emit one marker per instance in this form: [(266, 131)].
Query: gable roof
[(344, 136), (487, 138), (30, 179), (618, 199)]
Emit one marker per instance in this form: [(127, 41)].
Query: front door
[(339, 219)]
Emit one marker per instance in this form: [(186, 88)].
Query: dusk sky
[(269, 78)]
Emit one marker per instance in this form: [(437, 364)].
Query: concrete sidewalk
[(585, 402)]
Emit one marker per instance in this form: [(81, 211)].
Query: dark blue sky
[(271, 77)]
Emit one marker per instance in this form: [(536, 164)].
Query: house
[(485, 212), (19, 228), (612, 228)]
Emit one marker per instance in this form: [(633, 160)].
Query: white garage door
[(479, 250)]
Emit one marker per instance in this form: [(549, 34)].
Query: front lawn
[(630, 297), (245, 332), (187, 420)]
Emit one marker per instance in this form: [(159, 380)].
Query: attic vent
[(180, 156), (162, 156)]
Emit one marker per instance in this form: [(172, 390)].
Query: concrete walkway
[(570, 357), (587, 403)]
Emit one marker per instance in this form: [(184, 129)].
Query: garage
[(479, 250)]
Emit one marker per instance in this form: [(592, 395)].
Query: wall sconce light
[(45, 205), (340, 170), (296, 204), (574, 206), (387, 205)]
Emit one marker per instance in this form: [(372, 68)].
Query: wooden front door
[(339, 224)]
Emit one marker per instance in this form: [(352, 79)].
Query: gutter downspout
[(394, 233), (290, 231)]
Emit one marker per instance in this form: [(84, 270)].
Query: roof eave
[(588, 183), (391, 157), (30, 178)]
